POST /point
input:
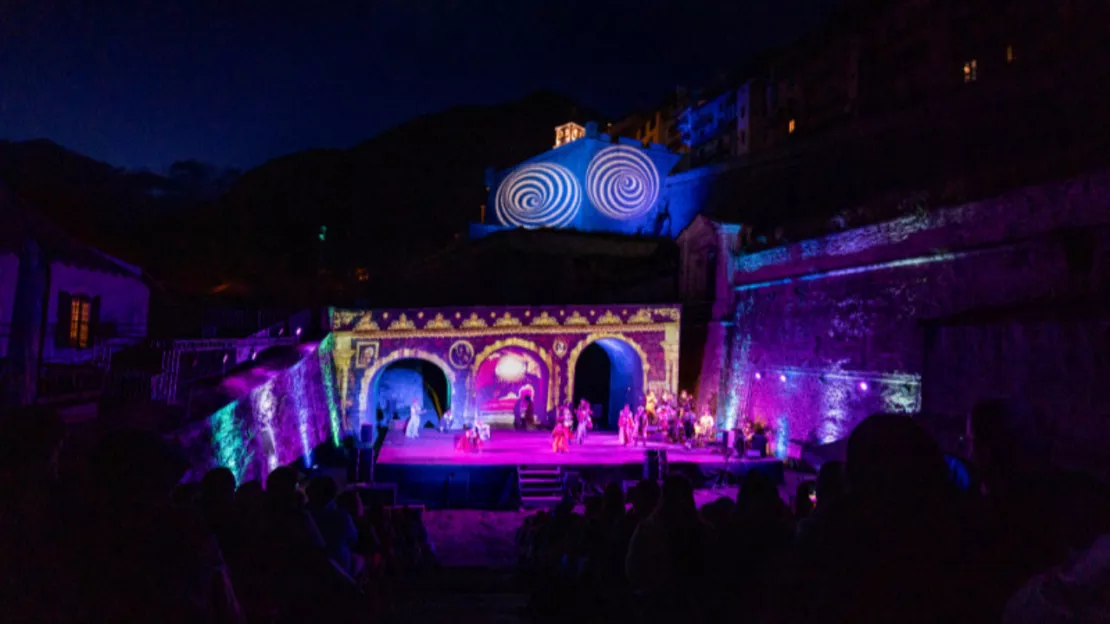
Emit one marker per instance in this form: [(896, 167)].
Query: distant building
[(64, 307), (568, 132), (658, 125)]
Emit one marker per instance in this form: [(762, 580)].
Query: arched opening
[(504, 379), (608, 374), (404, 381)]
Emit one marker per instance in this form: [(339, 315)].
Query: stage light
[(298, 332), (863, 386), (510, 368), (758, 376), (782, 378)]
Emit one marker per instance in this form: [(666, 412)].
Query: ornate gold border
[(498, 331)]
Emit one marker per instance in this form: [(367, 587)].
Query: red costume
[(560, 438)]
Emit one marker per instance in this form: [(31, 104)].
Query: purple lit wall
[(276, 412), (830, 330)]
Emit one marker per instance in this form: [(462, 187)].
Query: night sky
[(142, 84)]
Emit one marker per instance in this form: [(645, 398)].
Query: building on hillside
[(658, 125), (566, 133), (64, 308)]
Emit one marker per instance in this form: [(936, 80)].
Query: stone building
[(929, 312), (64, 307)]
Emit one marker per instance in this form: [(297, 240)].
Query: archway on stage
[(609, 373), (504, 379), (406, 380)]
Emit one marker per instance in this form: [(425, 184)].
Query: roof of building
[(22, 222)]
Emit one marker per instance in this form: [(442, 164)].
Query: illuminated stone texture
[(830, 313)]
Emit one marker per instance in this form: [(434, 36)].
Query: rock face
[(830, 330)]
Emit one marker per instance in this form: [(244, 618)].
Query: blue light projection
[(539, 195), (622, 182)]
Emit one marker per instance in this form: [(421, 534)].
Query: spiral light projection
[(622, 182), (539, 195)]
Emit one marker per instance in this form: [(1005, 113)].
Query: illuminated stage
[(429, 471)]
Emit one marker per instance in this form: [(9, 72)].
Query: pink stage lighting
[(863, 386), (782, 378), (758, 376)]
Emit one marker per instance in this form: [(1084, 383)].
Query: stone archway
[(370, 377), (628, 370)]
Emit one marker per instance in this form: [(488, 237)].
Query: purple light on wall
[(782, 378), (863, 386), (758, 376)]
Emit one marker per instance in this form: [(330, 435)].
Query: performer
[(446, 421), (625, 426), (529, 413), (518, 414), (469, 441), (649, 405), (560, 436), (481, 429), (640, 423), (704, 427), (412, 429), (568, 417), (585, 422)]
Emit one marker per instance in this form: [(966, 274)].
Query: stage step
[(540, 486)]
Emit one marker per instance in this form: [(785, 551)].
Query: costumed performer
[(640, 425), (625, 430), (412, 428), (446, 421), (585, 422), (649, 404), (704, 427), (560, 437)]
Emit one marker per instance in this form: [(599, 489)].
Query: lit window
[(80, 309), (1009, 54), (971, 71), (790, 126)]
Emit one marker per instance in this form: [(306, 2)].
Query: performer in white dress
[(585, 421), (412, 428)]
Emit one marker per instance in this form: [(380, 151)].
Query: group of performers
[(576, 424), (674, 417)]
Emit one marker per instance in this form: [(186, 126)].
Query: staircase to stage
[(540, 486)]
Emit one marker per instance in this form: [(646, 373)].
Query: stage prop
[(492, 357)]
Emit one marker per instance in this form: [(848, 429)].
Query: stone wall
[(830, 330)]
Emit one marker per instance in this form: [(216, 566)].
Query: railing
[(60, 383), (211, 356)]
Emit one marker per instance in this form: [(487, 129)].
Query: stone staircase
[(540, 486)]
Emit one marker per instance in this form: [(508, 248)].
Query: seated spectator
[(335, 525), (668, 557), (138, 558), (893, 552)]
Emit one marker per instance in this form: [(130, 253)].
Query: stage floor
[(530, 448)]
